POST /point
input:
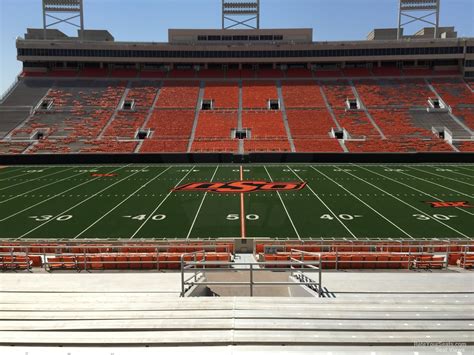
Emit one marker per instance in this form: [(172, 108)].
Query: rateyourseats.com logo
[(441, 347)]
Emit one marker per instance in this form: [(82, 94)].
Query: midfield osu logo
[(241, 186), (443, 204)]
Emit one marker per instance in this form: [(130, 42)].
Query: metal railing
[(199, 268), (7, 92)]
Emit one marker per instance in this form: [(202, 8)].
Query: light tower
[(425, 10), (244, 13), (70, 12)]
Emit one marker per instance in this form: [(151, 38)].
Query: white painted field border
[(200, 206), (454, 172), (407, 204), (428, 181), (441, 176), (17, 176), (413, 188), (77, 205), (41, 187), (364, 203), (122, 202), (284, 206), (58, 194), (160, 204), (325, 205), (41, 177)]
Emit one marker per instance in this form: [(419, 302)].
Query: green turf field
[(339, 201)]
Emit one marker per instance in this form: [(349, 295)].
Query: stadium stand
[(454, 92), (337, 92), (257, 93), (224, 95), (180, 95), (213, 132), (302, 94), (400, 93), (356, 123)]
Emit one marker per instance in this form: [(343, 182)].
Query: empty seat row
[(302, 94), (151, 261), (360, 261)]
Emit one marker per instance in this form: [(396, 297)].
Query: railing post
[(320, 278), (182, 275), (251, 280)]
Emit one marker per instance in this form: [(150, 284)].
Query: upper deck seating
[(337, 92), (383, 93), (180, 95), (302, 94), (454, 92), (224, 95), (257, 93)]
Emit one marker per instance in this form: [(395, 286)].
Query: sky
[(149, 20)]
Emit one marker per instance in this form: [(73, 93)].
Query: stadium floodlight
[(428, 8), (240, 13), (70, 12)]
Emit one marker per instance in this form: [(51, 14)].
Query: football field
[(299, 201)]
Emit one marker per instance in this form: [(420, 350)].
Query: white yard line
[(160, 204), (77, 205), (16, 176), (41, 187), (122, 202), (6, 169), (320, 200), (406, 203), (367, 205), (284, 206), (441, 176), (41, 177), (58, 194), (455, 172), (420, 191), (463, 167), (200, 206)]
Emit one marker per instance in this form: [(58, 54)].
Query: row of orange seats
[(171, 124), (454, 92), (317, 145), (58, 248), (181, 95), (215, 146), (156, 261), (14, 263), (362, 261), (255, 94), (302, 94), (337, 92), (413, 247), (216, 124), (264, 123), (224, 95), (393, 92), (310, 123), (126, 124), (395, 146), (467, 146)]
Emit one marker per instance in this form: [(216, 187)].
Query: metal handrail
[(9, 90), (216, 266)]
